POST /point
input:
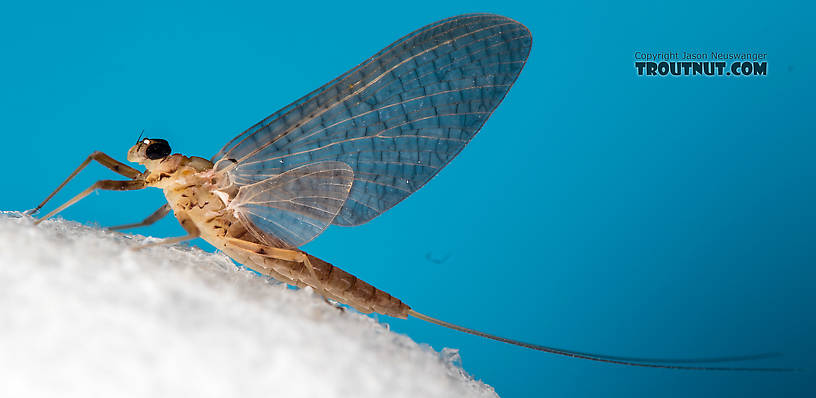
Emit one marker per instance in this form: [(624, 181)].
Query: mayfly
[(342, 154)]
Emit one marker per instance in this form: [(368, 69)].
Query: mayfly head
[(148, 149)]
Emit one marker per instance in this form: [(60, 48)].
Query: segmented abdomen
[(333, 282), (205, 210)]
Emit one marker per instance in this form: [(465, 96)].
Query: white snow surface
[(83, 316)]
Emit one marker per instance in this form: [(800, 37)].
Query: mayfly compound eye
[(157, 149)]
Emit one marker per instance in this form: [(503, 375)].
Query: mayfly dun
[(343, 154)]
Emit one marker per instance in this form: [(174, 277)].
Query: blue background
[(597, 210)]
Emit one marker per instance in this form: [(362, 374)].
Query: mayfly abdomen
[(357, 292), (204, 207), (334, 283)]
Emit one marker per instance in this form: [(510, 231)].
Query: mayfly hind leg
[(285, 255), (157, 215), (108, 185), (104, 160), (186, 223)]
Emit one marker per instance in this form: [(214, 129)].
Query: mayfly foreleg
[(186, 223), (104, 160), (150, 220), (108, 185)]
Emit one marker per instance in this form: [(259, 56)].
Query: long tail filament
[(642, 362)]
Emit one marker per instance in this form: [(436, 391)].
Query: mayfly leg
[(281, 254), (186, 223), (150, 220), (104, 160), (108, 185)]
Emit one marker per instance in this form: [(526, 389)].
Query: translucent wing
[(396, 119), (290, 209)]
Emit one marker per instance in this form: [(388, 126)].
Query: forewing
[(396, 119), (292, 208)]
